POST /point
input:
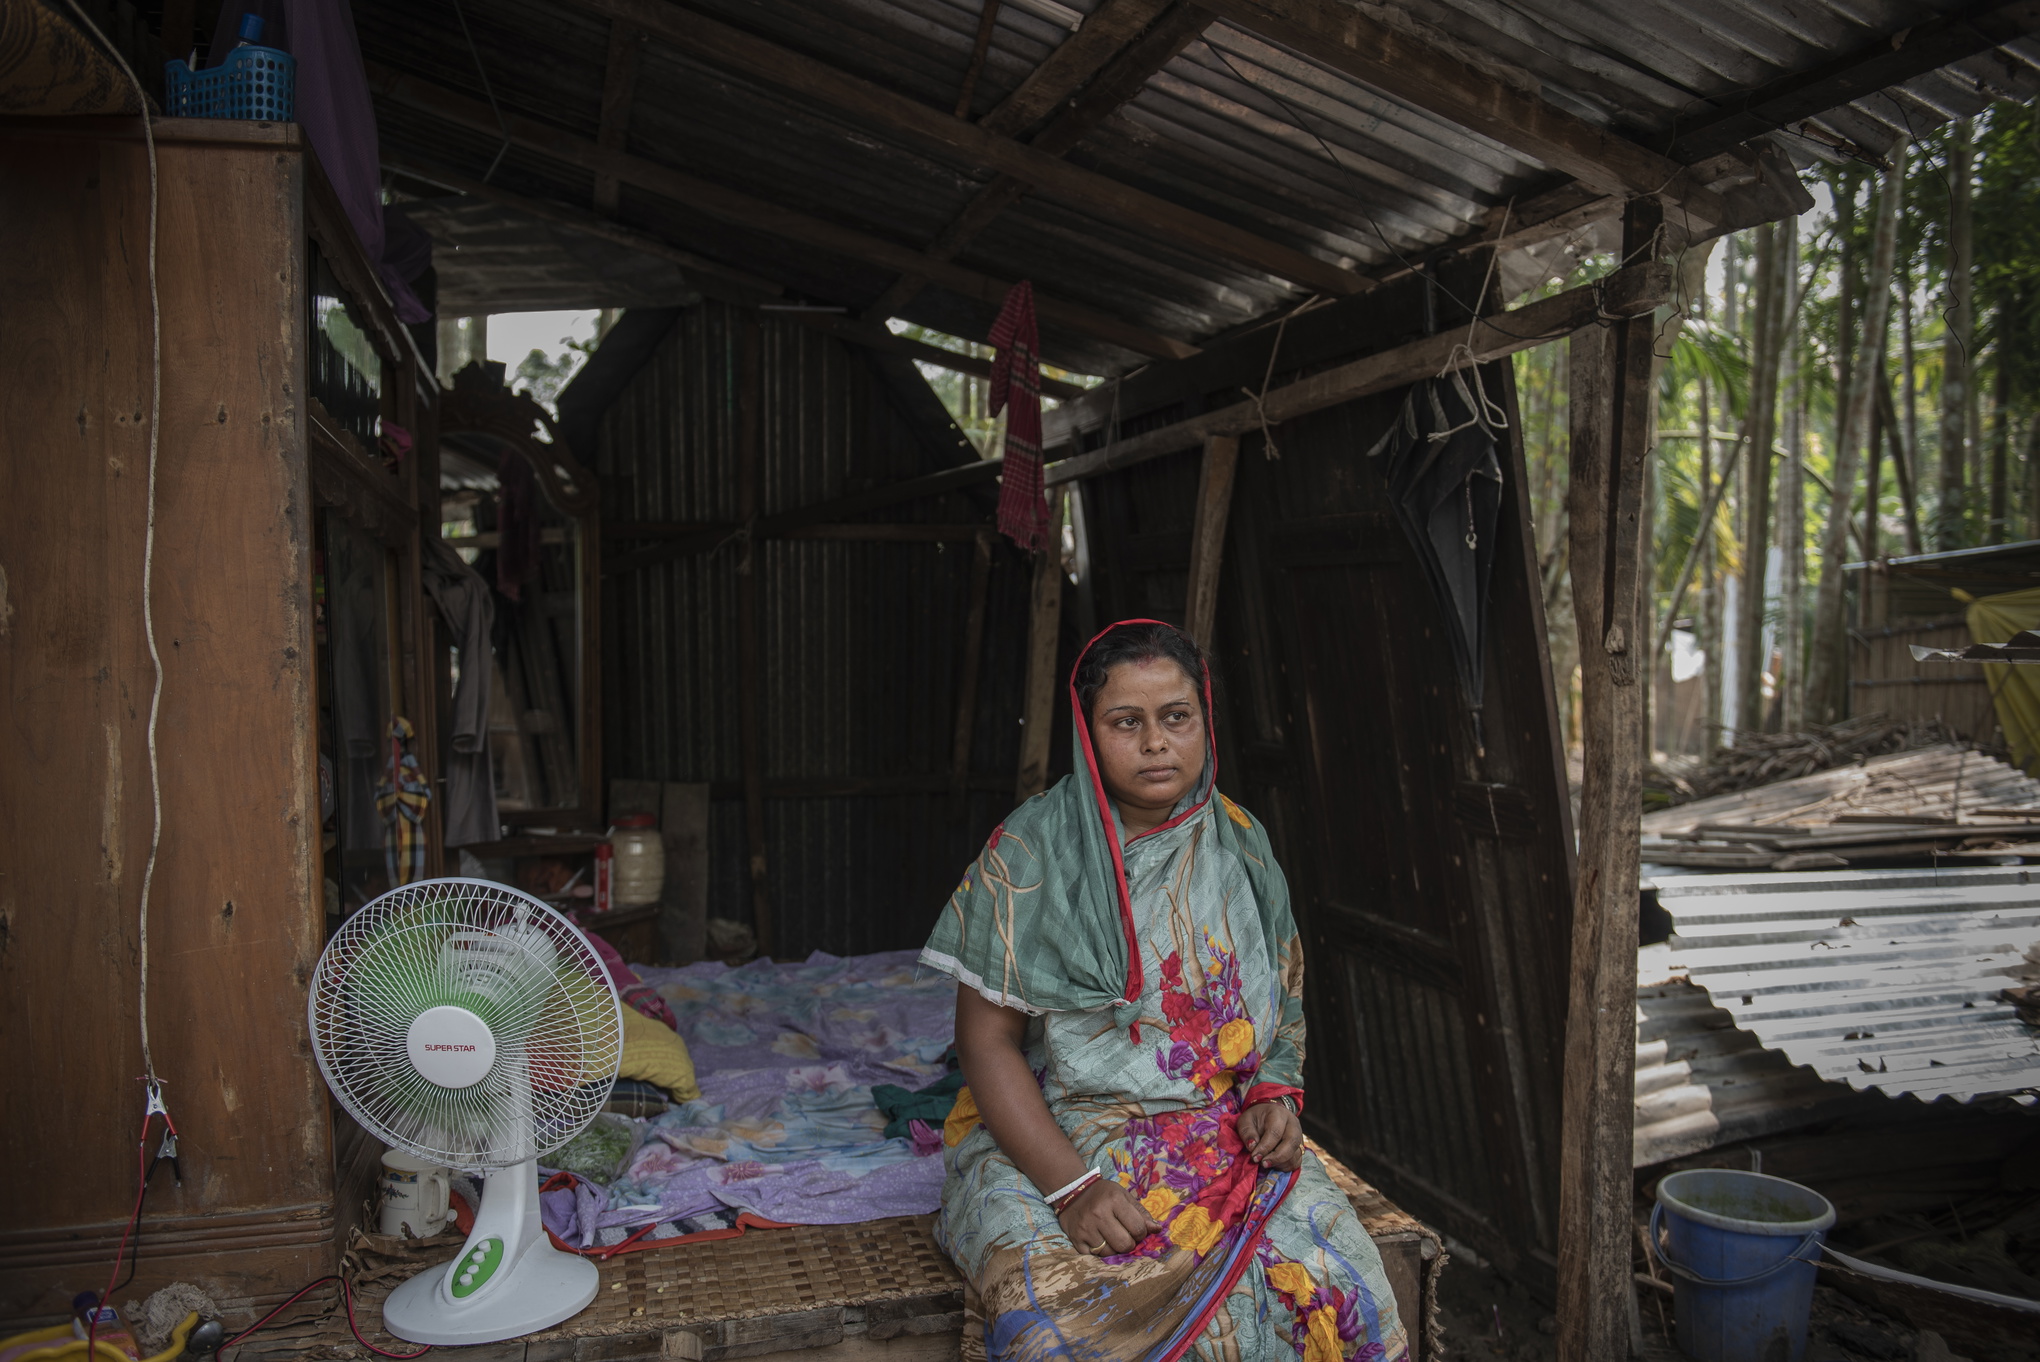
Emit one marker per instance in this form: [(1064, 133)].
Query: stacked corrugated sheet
[(1931, 805), (1701, 1081), (1886, 980)]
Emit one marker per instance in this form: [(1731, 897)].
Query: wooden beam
[(1634, 291), (816, 513), (1866, 70), (876, 337), (1121, 78), (1044, 632), (1613, 398), (988, 20), (732, 205), (874, 106), (750, 473), (967, 682), (619, 86), (1344, 38), (723, 529), (711, 276), (1107, 29), (1207, 535)]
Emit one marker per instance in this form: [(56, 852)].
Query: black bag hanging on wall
[(1445, 480)]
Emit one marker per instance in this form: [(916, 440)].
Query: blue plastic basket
[(253, 82)]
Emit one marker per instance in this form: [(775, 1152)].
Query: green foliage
[(543, 375)]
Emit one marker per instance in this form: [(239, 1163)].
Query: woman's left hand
[(1273, 1136)]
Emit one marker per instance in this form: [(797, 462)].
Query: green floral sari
[(1163, 980)]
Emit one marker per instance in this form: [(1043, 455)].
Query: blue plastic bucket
[(1742, 1249)]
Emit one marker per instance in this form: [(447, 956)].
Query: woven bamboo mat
[(760, 1273), (765, 1272)]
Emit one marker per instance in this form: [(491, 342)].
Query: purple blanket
[(786, 1128)]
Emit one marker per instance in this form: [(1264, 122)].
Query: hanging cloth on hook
[(1445, 480), (1016, 388), (402, 797)]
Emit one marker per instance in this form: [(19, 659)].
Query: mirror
[(518, 507)]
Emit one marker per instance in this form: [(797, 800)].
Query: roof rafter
[(1346, 40), (1120, 75), (1106, 32), (704, 39), (731, 205), (1876, 66), (619, 86)]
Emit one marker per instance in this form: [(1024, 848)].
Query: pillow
[(655, 1055)]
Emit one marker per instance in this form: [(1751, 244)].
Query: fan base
[(545, 1287)]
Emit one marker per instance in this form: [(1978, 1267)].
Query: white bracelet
[(1077, 1184)]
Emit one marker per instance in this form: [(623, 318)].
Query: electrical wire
[(155, 660), (487, 89), (148, 545), (346, 1295)]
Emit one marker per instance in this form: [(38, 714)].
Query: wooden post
[(1044, 629), (1207, 536), (750, 386), (967, 679), (1611, 405), (683, 916)]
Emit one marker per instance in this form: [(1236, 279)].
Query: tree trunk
[(1828, 667), (1845, 304), (1792, 571), (1951, 531), (1707, 621), (1908, 379), (1767, 303), (1873, 468), (2001, 440), (1791, 533)]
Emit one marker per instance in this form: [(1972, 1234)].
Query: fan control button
[(476, 1269)]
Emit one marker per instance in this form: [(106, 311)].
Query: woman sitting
[(1126, 1172)]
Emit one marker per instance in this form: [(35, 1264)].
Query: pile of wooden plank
[(1763, 758), (1935, 804)]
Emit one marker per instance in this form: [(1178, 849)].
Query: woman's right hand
[(1106, 1219)]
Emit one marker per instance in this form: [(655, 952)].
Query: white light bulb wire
[(148, 551)]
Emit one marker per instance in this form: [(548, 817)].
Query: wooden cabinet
[(247, 458)]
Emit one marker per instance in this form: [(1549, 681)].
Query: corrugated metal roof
[(1881, 979), (1701, 1081), (1235, 127)]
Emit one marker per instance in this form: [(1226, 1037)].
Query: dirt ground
[(1486, 1317)]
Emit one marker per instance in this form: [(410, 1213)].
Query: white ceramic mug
[(416, 1194)]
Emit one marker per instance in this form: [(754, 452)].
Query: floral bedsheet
[(786, 1129)]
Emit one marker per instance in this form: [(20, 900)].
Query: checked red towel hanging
[(1016, 388)]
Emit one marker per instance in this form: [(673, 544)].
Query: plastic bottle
[(640, 860), (85, 1307), (251, 31)]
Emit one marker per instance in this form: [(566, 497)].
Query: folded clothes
[(931, 1104)]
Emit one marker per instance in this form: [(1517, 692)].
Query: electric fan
[(473, 1026)]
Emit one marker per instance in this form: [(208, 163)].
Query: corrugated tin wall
[(861, 643)]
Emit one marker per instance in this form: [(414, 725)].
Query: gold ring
[(1099, 1251)]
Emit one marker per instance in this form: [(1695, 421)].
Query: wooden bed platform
[(878, 1291)]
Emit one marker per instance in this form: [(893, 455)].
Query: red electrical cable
[(346, 1294), (134, 1218)]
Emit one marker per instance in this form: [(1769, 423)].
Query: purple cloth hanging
[(334, 109)]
